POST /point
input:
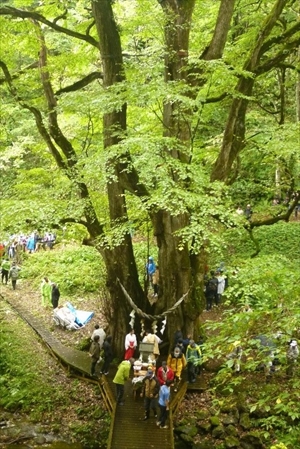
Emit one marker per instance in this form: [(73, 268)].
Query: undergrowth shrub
[(22, 387), (281, 238), (76, 269)]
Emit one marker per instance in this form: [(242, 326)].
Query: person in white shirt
[(99, 331), (221, 287), (130, 345), (155, 340)]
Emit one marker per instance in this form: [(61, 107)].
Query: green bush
[(76, 269)]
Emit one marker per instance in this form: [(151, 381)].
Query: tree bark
[(234, 135), (119, 259)]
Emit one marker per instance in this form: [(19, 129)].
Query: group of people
[(50, 293), (268, 348), (9, 271), (155, 389), (156, 383), (215, 284), (100, 350), (26, 242)]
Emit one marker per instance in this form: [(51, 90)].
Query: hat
[(293, 343), (149, 372)]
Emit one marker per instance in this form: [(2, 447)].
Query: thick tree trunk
[(176, 274), (120, 264), (119, 259), (179, 273)]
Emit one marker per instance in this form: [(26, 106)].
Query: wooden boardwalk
[(128, 429)]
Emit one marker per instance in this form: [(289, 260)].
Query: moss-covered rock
[(202, 414), (229, 419), (218, 432), (231, 430), (208, 444), (245, 421), (215, 421), (251, 440), (204, 426), (260, 412), (187, 432), (231, 442), (229, 408), (184, 422)]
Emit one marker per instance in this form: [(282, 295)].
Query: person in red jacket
[(164, 373)]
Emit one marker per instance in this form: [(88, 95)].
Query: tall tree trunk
[(234, 135), (298, 91), (174, 258), (119, 259), (180, 270)]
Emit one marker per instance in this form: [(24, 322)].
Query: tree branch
[(14, 12), (216, 99), (54, 128), (218, 41), (277, 59), (73, 220), (273, 220), (33, 65), (93, 225), (62, 16), (80, 84), (234, 134), (279, 39), (38, 118)]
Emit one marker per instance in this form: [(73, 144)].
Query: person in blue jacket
[(150, 268)]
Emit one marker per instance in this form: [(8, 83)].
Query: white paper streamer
[(142, 327), (131, 322), (154, 327), (164, 323)]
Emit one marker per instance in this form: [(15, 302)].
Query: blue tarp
[(81, 317)]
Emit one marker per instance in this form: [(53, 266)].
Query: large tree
[(166, 112)]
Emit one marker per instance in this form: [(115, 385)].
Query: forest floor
[(30, 299)]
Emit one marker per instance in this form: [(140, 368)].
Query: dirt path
[(31, 299)]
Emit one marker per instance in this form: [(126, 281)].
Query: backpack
[(212, 286), (14, 273)]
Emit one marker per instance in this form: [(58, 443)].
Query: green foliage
[(20, 386), (269, 284), (280, 238), (76, 269), (30, 383), (278, 446)]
